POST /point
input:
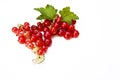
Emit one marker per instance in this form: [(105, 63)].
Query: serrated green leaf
[(49, 12), (67, 15)]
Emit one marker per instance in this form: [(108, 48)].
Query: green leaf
[(67, 15), (49, 12)]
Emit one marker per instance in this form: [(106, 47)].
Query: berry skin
[(47, 23), (64, 25), (75, 34), (58, 19), (41, 52), (29, 45), (61, 32), (47, 34), (67, 35), (44, 47), (27, 34), (14, 29), (35, 31), (56, 25), (45, 29), (71, 27), (27, 27), (54, 30), (39, 42), (48, 42), (26, 24), (34, 27), (73, 22), (33, 38), (21, 39), (39, 24), (39, 35)]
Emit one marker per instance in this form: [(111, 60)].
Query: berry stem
[(39, 59)]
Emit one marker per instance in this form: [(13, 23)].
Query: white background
[(95, 55)]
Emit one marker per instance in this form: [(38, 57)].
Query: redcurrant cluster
[(39, 37)]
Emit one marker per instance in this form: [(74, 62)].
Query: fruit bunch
[(38, 37)]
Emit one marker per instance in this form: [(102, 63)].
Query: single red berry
[(29, 45), (39, 42), (75, 34), (53, 30), (33, 38), (47, 34), (39, 34), (41, 52), (34, 27), (26, 23), (47, 23), (18, 32), (73, 22), (48, 42), (39, 24), (67, 35), (14, 29), (64, 25), (46, 29), (21, 39), (44, 47), (71, 27), (61, 32)]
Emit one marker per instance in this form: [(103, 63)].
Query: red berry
[(48, 42), (39, 42), (34, 27), (41, 52), (53, 30), (39, 24), (27, 34), (56, 25), (21, 39), (14, 29), (75, 34), (35, 31), (39, 34), (26, 24), (67, 35), (47, 23), (64, 25), (61, 32), (33, 38), (18, 33), (44, 47), (29, 45), (45, 29), (73, 22), (71, 27), (47, 34)]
